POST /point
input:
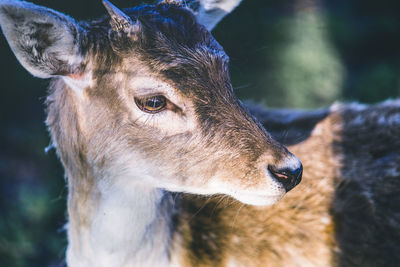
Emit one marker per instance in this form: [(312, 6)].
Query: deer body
[(345, 212), (352, 152), (166, 168)]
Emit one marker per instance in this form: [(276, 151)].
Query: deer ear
[(44, 41), (211, 12)]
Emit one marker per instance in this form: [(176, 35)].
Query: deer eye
[(151, 104)]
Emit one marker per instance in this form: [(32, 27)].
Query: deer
[(166, 167)]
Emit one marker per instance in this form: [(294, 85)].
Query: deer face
[(145, 97)]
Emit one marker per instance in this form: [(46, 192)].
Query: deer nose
[(288, 177)]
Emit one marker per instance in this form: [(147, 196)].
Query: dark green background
[(298, 54)]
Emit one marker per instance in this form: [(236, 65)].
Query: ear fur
[(44, 41), (208, 12), (211, 12)]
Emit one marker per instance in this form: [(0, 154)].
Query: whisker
[(201, 208), (221, 198), (237, 213)]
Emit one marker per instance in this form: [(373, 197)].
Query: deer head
[(143, 96)]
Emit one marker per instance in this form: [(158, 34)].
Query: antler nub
[(119, 20)]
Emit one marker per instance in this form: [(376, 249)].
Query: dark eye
[(151, 104)]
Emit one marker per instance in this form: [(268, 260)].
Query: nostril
[(281, 175), (288, 177)]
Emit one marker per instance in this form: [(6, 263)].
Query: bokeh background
[(284, 53)]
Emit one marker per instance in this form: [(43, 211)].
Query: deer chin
[(258, 199), (265, 196)]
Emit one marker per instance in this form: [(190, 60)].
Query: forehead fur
[(182, 50), (169, 41)]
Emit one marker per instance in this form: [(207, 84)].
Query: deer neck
[(116, 225), (112, 220)]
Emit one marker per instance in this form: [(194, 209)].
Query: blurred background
[(284, 53)]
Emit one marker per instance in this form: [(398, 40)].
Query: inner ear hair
[(44, 41)]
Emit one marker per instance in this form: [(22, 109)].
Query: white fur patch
[(232, 262), (79, 84), (271, 193), (127, 230)]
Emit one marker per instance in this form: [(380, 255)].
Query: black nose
[(289, 178)]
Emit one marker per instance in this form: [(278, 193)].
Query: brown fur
[(297, 231), (344, 213)]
